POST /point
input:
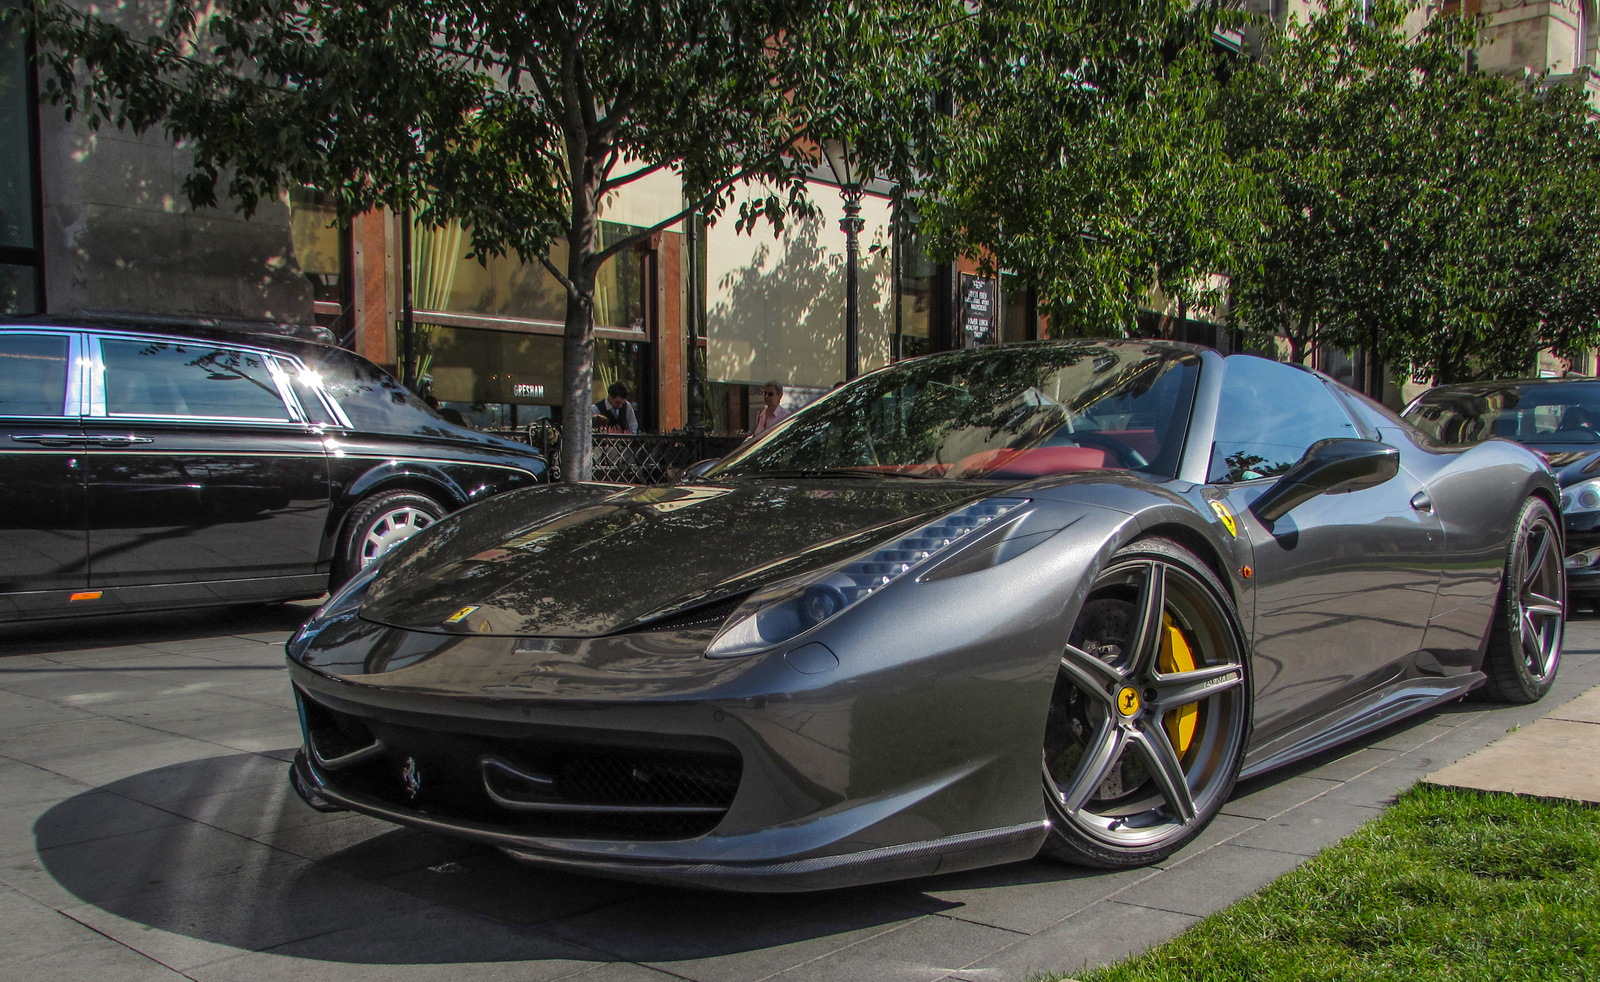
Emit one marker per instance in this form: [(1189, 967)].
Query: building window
[(1017, 319), (915, 295), (323, 249), (488, 337), (21, 255), (451, 279), (510, 378)]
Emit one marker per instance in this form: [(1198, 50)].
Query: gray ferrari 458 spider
[(1054, 596)]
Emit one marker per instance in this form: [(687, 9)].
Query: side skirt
[(1372, 711), (45, 604)]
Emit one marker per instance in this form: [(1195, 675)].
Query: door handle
[(50, 439), (114, 440), (1421, 502)]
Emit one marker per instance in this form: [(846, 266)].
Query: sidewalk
[(147, 832), (1558, 756)]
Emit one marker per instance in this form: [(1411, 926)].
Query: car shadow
[(222, 851), (114, 630)]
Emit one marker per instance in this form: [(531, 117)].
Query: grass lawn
[(1447, 885)]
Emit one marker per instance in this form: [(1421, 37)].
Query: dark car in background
[(1559, 418), (146, 467)]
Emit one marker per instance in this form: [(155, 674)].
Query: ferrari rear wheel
[(1150, 711), (1530, 622)]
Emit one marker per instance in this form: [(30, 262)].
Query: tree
[(517, 119), (1076, 148), (1443, 217)]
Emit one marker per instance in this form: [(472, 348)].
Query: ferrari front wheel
[(1150, 712)]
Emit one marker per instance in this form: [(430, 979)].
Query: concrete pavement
[(1557, 756), (147, 832)]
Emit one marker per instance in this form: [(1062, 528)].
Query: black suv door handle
[(50, 439), (112, 440)]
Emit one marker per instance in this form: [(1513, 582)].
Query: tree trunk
[(577, 360)]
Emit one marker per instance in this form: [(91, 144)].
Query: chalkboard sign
[(977, 310)]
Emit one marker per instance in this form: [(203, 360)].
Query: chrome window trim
[(274, 365), (72, 399), (98, 409), (330, 405)]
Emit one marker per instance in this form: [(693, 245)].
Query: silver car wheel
[(1149, 712), (1540, 610), (390, 529)]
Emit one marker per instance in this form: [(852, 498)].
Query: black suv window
[(33, 374), (1269, 415), (155, 378)]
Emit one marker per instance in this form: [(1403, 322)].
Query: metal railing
[(627, 458)]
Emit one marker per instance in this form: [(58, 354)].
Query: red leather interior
[(1021, 465)]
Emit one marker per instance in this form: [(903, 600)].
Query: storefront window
[(511, 378), (918, 279), (450, 279), (1014, 324), (318, 244), (322, 248), (20, 255)]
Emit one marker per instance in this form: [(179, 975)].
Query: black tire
[(1530, 619), (1123, 787), (364, 538)]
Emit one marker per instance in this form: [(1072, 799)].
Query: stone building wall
[(119, 236)]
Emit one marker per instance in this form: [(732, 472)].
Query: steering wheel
[(1124, 454)]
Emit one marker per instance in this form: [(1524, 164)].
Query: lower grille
[(533, 786)]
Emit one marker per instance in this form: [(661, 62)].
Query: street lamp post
[(846, 170)]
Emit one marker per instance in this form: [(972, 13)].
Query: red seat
[(1022, 465)]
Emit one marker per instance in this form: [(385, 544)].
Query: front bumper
[(635, 756), (946, 854)]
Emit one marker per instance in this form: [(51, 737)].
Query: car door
[(1344, 583), (43, 530), (202, 466)]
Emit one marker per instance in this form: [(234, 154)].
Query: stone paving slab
[(147, 831), (1553, 758)]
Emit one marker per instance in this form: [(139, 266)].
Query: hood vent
[(705, 616)]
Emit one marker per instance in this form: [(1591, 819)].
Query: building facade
[(93, 222)]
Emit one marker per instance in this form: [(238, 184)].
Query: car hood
[(589, 560)]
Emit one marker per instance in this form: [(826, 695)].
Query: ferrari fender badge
[(1226, 516), (411, 777), (460, 615)]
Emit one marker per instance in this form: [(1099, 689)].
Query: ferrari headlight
[(1581, 497), (787, 610), (344, 600)]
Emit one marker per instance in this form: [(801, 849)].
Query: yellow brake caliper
[(1176, 657)]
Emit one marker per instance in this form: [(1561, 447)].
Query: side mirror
[(1329, 467)]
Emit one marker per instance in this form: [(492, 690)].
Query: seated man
[(614, 414)]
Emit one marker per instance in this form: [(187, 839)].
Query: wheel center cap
[(1128, 701)]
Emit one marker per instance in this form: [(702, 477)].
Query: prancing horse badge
[(411, 777)]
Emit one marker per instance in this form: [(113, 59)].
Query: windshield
[(1010, 413), (1566, 413)]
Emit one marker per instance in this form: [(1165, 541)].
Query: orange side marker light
[(91, 595), (1246, 572)]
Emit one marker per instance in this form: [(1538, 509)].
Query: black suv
[(1559, 418), (145, 467)]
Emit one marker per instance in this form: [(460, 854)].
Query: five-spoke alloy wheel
[(1151, 708), (1525, 645)]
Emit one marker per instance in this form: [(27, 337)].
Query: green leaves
[(1427, 210)]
